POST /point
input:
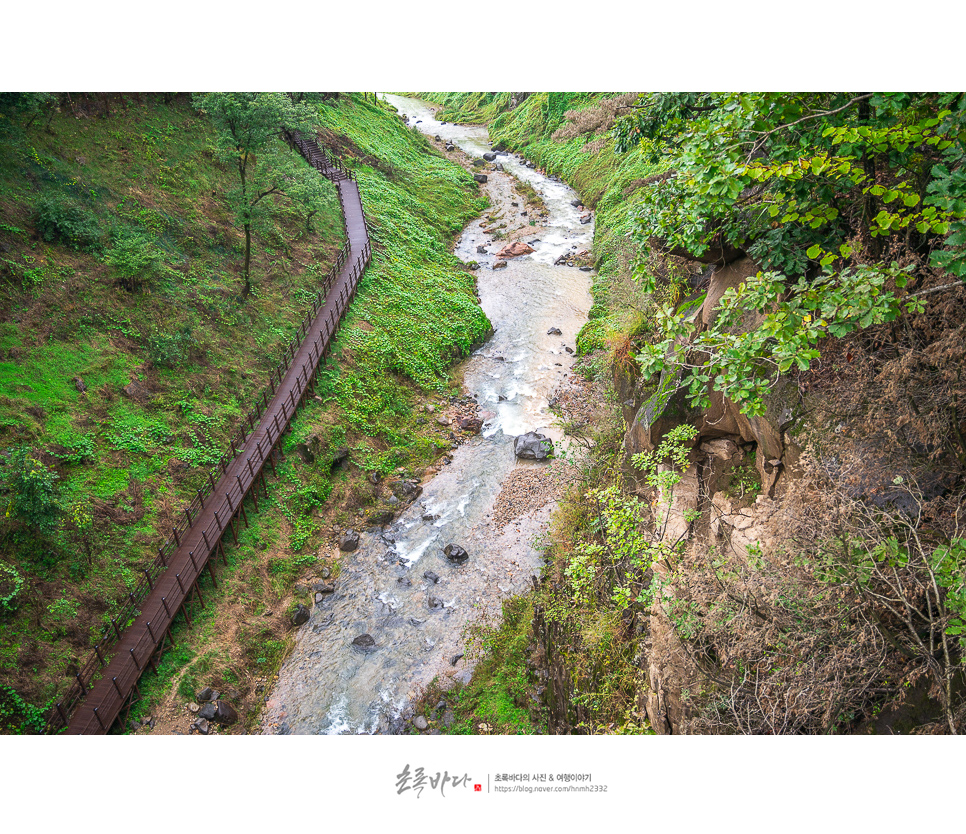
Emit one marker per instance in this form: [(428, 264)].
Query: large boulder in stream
[(533, 446), (456, 554), (480, 177), (489, 157), (349, 541), (364, 643), (514, 250)]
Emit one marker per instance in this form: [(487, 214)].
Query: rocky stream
[(469, 537)]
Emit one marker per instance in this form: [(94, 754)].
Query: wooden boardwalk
[(105, 683)]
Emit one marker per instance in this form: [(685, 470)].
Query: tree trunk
[(248, 260)]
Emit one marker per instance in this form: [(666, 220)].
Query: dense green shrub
[(169, 350), (11, 584), (60, 219), (33, 496)]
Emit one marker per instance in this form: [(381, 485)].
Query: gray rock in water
[(455, 553), (456, 658), (499, 265), (480, 177), (489, 157), (434, 602), (349, 541), (533, 446), (301, 615), (555, 331), (365, 642), (432, 577)]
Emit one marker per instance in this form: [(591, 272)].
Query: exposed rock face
[(668, 408), (669, 673), (723, 279), (532, 446), (684, 499), (301, 615)]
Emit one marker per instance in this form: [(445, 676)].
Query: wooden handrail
[(94, 701)]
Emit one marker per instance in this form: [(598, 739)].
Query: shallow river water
[(330, 686)]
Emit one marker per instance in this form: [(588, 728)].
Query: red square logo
[(477, 787)]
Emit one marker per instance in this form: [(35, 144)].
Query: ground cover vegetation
[(845, 336), (154, 262)]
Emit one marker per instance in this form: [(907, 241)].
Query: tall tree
[(249, 129)]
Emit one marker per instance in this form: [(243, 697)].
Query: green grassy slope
[(92, 183)]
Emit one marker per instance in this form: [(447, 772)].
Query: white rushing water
[(330, 686)]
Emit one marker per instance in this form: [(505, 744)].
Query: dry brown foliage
[(595, 120), (825, 640)]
